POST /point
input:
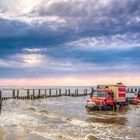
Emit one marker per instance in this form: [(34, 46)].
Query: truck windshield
[(99, 94)]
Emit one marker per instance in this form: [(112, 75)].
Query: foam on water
[(16, 119), (66, 119)]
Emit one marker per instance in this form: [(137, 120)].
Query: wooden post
[(17, 94), (85, 92), (92, 90), (39, 91), (56, 92), (126, 90), (13, 94), (59, 92), (28, 93), (0, 95), (45, 93), (66, 92), (50, 92), (77, 92), (69, 92), (0, 101), (33, 94)]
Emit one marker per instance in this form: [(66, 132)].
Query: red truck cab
[(101, 99), (107, 96)]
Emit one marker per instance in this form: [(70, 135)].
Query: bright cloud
[(69, 38)]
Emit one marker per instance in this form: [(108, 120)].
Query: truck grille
[(99, 103)]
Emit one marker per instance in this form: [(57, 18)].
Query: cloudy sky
[(69, 42)]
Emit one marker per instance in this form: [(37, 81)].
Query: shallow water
[(65, 118)]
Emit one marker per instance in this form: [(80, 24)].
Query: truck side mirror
[(91, 94)]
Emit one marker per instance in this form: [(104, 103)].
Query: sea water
[(65, 118)]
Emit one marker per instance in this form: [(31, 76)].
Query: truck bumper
[(90, 105)]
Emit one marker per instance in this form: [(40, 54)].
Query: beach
[(1, 134), (65, 118)]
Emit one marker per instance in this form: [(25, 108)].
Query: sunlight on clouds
[(69, 38), (118, 41), (22, 6), (32, 58), (34, 50)]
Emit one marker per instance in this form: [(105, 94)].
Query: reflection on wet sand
[(115, 120), (66, 118), (107, 117), (1, 134), (24, 136)]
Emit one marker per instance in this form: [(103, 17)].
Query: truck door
[(110, 98)]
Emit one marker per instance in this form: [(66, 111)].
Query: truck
[(108, 97)]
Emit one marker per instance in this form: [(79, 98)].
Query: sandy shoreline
[(21, 136), (1, 134)]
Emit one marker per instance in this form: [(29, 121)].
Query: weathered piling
[(39, 92), (13, 96), (32, 94), (28, 93), (45, 93), (131, 90), (85, 92), (33, 97), (56, 93), (127, 90), (50, 92), (77, 92), (135, 89), (60, 92), (69, 92), (92, 90), (66, 92), (0, 101), (17, 94)]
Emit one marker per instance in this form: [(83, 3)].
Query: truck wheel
[(107, 107)]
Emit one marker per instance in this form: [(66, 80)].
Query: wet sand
[(1, 134), (66, 118), (23, 136)]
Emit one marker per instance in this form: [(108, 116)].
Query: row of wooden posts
[(31, 93), (133, 90)]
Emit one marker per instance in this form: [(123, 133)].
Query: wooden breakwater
[(133, 90), (31, 94)]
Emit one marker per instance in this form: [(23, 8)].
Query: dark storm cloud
[(75, 20), (95, 17), (82, 19)]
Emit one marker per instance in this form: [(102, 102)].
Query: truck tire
[(107, 107)]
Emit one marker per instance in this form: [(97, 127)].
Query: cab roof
[(103, 90)]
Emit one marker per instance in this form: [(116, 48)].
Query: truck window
[(99, 94), (110, 95)]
